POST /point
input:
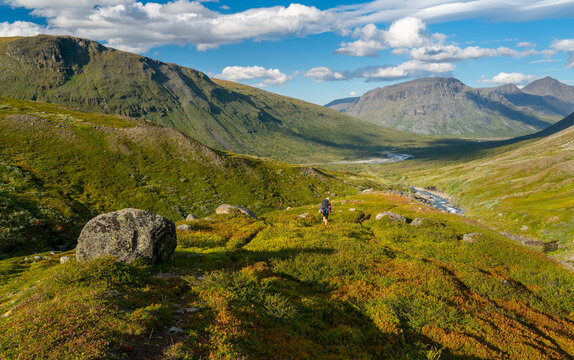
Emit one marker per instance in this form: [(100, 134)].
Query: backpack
[(325, 207)]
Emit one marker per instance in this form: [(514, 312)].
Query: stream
[(437, 201), (391, 158)]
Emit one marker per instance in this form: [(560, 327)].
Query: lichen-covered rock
[(472, 237), (391, 216), (128, 234), (231, 209), (184, 227), (190, 217)]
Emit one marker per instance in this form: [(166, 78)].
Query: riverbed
[(437, 201)]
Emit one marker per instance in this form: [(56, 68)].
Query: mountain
[(342, 104), (60, 167), (446, 106), (83, 74), (551, 87), (546, 96)]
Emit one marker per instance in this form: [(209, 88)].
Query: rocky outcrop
[(391, 216), (472, 237), (127, 235), (233, 209)]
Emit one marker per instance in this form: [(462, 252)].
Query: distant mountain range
[(223, 115), (446, 106)]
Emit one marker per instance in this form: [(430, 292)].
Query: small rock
[(421, 221), (65, 259), (524, 228), (230, 209), (175, 330), (352, 209), (303, 216), (207, 218), (190, 217), (184, 227), (343, 202), (472, 237), (37, 257), (391, 216), (288, 208)]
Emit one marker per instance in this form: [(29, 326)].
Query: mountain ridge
[(446, 106), (84, 74)]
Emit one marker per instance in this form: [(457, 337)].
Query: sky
[(322, 50)]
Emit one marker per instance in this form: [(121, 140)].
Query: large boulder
[(128, 234), (232, 209), (391, 216)]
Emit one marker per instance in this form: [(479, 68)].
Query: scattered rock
[(65, 259), (184, 227), (128, 234), (367, 191), (343, 202), (187, 310), (472, 237), (524, 228), (422, 221), (230, 209), (175, 330), (391, 216), (190, 217), (303, 216), (352, 209)]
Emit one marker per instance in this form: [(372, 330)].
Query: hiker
[(325, 210)]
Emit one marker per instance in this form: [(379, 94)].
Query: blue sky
[(323, 50)]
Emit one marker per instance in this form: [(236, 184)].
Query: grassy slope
[(526, 188), (59, 167), (284, 287), (223, 115)]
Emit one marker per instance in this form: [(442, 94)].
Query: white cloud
[(353, 93), (406, 33), (525, 44), (382, 73), (568, 46), (21, 28), (508, 78), (323, 73), (271, 77)]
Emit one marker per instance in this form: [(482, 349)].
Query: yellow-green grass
[(282, 286)]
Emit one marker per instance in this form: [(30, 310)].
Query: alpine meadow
[(149, 210)]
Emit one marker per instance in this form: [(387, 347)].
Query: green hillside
[(285, 287), (60, 167), (526, 188), (84, 74)]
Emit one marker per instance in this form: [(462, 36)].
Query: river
[(437, 201)]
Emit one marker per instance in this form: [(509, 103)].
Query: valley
[(453, 244)]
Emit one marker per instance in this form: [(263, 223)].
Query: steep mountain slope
[(286, 287), (59, 167), (342, 105), (527, 189), (86, 75), (544, 96), (551, 87), (448, 107)]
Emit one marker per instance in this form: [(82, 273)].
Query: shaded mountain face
[(446, 106), (223, 115)]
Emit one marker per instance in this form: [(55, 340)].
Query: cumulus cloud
[(382, 73), (568, 46), (508, 78), (271, 77), (323, 73), (22, 28), (525, 44), (132, 25)]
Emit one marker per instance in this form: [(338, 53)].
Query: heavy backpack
[(325, 207)]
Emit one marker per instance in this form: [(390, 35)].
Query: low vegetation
[(284, 286), (60, 167)]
